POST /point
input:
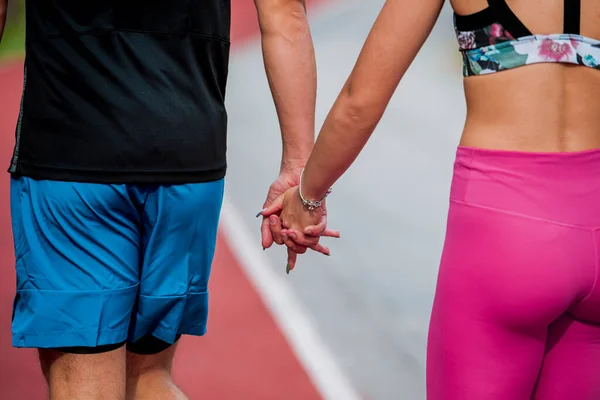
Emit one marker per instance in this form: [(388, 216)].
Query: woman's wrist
[(309, 191)]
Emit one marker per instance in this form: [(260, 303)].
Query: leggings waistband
[(559, 187)]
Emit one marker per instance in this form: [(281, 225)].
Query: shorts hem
[(165, 317), (52, 340), (60, 318), (170, 336)]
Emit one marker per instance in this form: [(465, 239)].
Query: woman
[(517, 308)]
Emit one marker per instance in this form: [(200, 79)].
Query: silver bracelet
[(310, 204)]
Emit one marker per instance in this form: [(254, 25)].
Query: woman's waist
[(556, 186), (544, 108), (530, 135)]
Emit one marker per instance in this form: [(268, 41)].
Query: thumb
[(275, 207)]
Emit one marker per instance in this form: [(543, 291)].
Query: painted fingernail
[(287, 268), (260, 213)]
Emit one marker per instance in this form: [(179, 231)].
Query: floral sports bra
[(495, 40)]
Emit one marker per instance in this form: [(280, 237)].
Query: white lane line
[(287, 310)]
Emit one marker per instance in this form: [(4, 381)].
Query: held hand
[(300, 225), (283, 238), (271, 228), (309, 233), (306, 237), (295, 216)]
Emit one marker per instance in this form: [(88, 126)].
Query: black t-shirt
[(124, 91)]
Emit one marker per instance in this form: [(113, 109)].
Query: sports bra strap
[(572, 16), (508, 19)]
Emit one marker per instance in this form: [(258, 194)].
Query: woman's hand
[(271, 226), (295, 218), (300, 226)]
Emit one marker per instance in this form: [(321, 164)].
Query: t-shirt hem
[(118, 177)]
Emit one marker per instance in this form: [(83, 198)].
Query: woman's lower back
[(541, 108)]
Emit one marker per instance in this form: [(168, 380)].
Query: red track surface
[(244, 355)]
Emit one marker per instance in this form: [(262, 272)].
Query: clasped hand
[(287, 221)]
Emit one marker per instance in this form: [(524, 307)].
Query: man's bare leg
[(149, 376), (84, 376)]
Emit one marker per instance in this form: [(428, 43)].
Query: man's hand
[(271, 227), (272, 230), (299, 224)]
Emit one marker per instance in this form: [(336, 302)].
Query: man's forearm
[(3, 12), (291, 71)]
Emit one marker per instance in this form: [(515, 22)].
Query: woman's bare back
[(544, 107)]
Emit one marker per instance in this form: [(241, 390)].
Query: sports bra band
[(495, 39)]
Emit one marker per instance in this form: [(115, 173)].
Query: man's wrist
[(296, 150), (293, 165)]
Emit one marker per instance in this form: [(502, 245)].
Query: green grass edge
[(13, 41)]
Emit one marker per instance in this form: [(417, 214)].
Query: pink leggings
[(517, 306)]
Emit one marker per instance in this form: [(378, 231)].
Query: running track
[(244, 355)]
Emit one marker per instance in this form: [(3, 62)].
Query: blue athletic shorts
[(101, 264)]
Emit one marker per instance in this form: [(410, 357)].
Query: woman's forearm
[(399, 32), (343, 135)]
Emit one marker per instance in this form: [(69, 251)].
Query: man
[(117, 179)]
